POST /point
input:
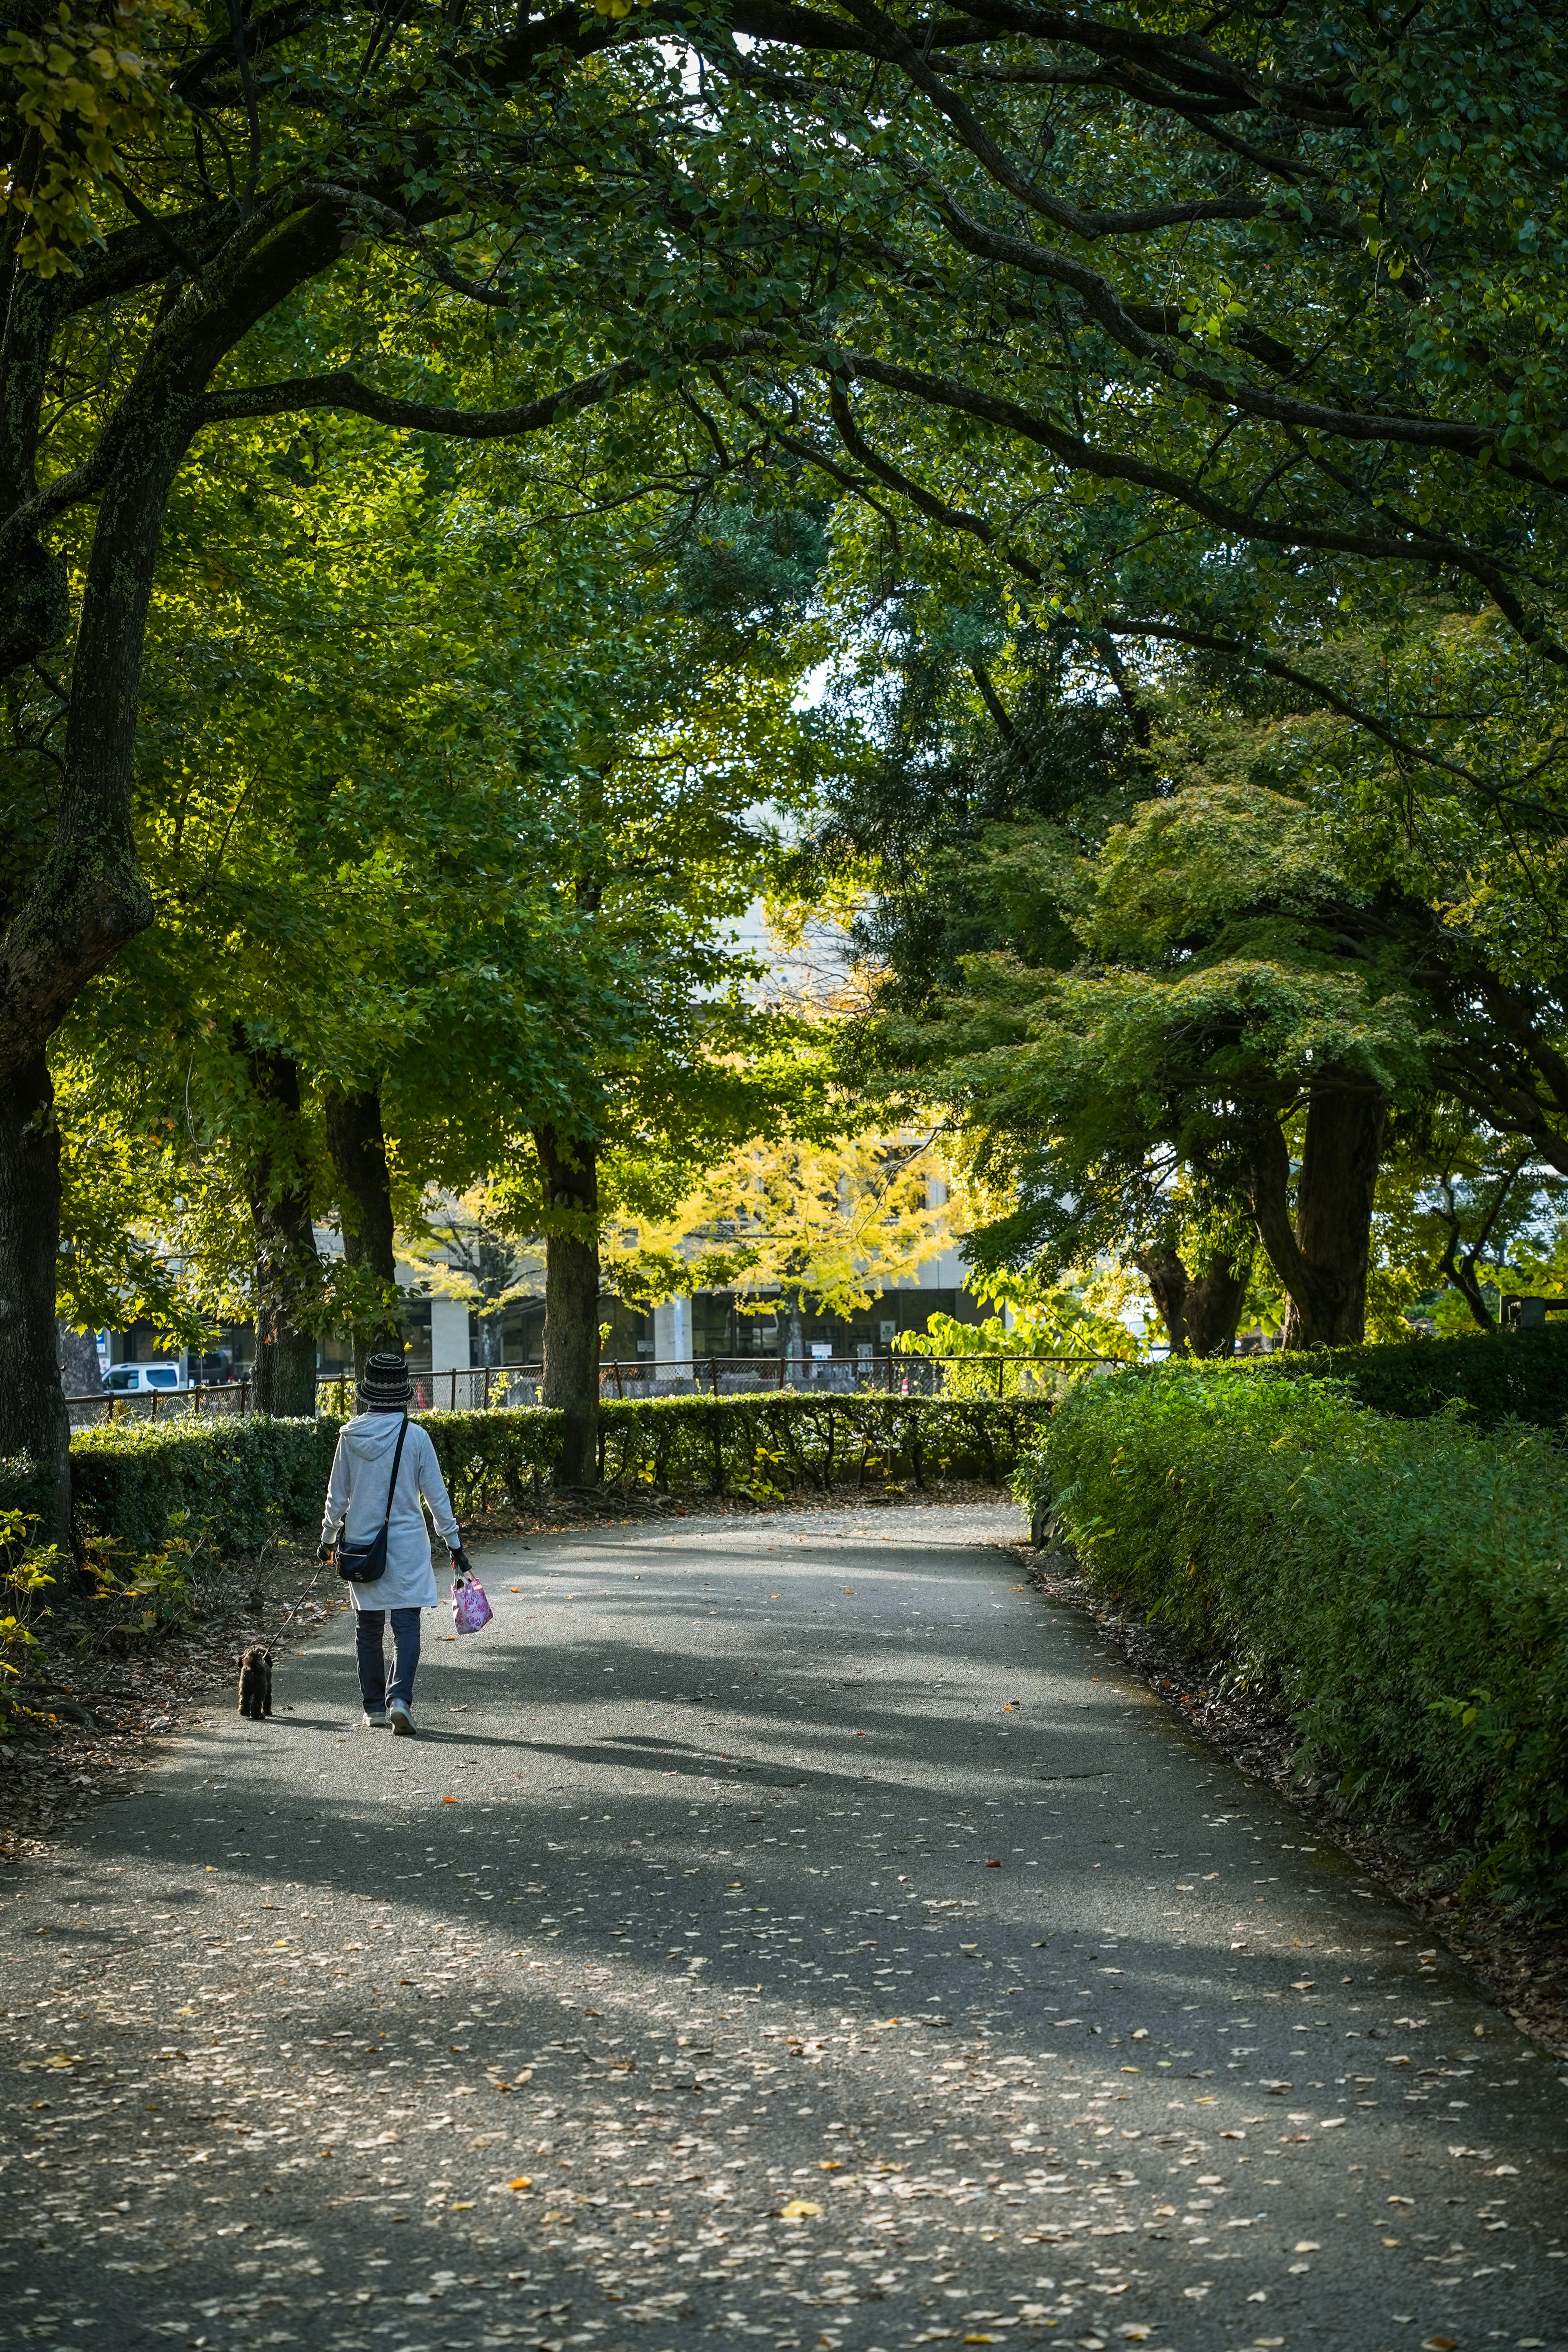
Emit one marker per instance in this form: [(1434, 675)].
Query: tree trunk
[(1200, 1317), (1170, 1282), (85, 899), (79, 1372), (88, 896), (33, 1418), (358, 1148), (570, 1167), (1214, 1305), (287, 1270), (1321, 1259), (34, 600), (792, 1336)]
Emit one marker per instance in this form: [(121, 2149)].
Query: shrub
[(111, 1599), (22, 1487), (751, 1444), (1397, 1587), (1513, 1376), (233, 1480), (777, 1445), (26, 1571), (505, 1456)]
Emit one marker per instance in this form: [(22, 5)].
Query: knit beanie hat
[(384, 1381)]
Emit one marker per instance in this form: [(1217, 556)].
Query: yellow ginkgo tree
[(830, 1223)]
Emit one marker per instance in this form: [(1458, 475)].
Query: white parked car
[(139, 1379)]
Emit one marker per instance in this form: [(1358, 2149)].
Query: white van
[(141, 1379)]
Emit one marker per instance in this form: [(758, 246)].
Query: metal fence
[(474, 1391), (478, 1388), (843, 1375), (230, 1398)]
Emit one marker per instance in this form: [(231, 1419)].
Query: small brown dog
[(256, 1684)]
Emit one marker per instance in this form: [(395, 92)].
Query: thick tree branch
[(971, 132), (1415, 546), (346, 392), (1183, 59), (1127, 326), (409, 232)]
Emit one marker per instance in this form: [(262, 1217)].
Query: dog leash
[(294, 1611)]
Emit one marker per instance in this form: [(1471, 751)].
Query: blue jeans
[(369, 1628)]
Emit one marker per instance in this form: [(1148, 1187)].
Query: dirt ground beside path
[(802, 1929)]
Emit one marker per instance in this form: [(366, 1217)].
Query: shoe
[(376, 1718), (401, 1717)]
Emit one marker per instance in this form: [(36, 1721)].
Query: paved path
[(791, 1931)]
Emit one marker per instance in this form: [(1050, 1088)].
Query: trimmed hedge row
[(238, 1480), (1396, 1586), (747, 1444), (777, 1444), (1513, 1376)]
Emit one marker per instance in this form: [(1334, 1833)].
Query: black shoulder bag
[(362, 1563)]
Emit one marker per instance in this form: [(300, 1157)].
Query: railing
[(846, 1375), (477, 1388), (482, 1386), (230, 1397)]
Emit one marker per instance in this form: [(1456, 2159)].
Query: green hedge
[(1396, 1586), (778, 1445), (1513, 1376), (236, 1478), (505, 1455)]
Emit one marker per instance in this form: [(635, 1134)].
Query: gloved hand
[(461, 1564), (323, 1549)]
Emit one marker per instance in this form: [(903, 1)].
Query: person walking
[(360, 1494)]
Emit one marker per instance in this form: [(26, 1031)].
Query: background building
[(445, 1333)]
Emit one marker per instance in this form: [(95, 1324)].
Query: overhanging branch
[(343, 390), (1081, 455)]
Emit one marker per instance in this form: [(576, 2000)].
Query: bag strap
[(392, 1483)]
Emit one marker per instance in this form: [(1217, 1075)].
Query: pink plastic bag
[(470, 1609)]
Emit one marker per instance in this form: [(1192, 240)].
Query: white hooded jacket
[(362, 1468)]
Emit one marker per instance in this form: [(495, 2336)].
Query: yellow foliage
[(837, 1222)]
